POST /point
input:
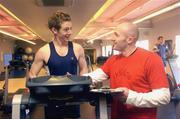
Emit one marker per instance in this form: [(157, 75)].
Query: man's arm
[(155, 98), (97, 76), (82, 61), (85, 107), (37, 64), (155, 49)]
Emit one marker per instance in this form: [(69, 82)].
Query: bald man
[(138, 72)]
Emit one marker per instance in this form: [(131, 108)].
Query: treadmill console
[(59, 85)]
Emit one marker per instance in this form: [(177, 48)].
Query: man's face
[(161, 40), (120, 43), (65, 31)]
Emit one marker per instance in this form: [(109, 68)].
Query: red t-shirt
[(141, 72)]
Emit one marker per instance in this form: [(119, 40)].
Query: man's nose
[(70, 32)]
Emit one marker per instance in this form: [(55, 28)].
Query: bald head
[(125, 38), (129, 29)]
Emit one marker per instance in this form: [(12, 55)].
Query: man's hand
[(31, 75), (95, 85), (68, 74), (121, 96), (126, 90)]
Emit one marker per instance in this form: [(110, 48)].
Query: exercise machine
[(60, 90)]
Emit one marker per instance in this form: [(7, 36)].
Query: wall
[(95, 45), (8, 44), (39, 43)]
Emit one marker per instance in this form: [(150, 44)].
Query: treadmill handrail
[(58, 80)]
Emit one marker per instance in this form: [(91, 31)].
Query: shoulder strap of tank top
[(52, 48), (70, 46), (70, 49)]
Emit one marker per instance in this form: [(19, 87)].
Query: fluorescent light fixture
[(6, 33), (105, 34), (158, 13), (16, 18), (97, 14), (4, 26)]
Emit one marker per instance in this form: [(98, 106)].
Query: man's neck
[(60, 42), (130, 50)]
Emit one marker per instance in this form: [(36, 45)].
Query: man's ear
[(55, 31), (131, 39)]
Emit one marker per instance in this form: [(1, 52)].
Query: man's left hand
[(121, 96)]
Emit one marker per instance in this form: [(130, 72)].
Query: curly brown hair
[(159, 37), (56, 20)]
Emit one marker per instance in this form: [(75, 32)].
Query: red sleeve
[(155, 72)]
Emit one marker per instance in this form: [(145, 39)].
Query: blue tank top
[(162, 51), (60, 65)]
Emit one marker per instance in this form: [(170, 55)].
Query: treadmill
[(67, 90), (64, 90)]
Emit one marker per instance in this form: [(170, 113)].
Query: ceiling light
[(98, 37), (3, 32), (158, 13), (4, 26), (97, 14), (16, 18)]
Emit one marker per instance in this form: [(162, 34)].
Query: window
[(115, 52), (104, 51), (107, 51), (143, 44)]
